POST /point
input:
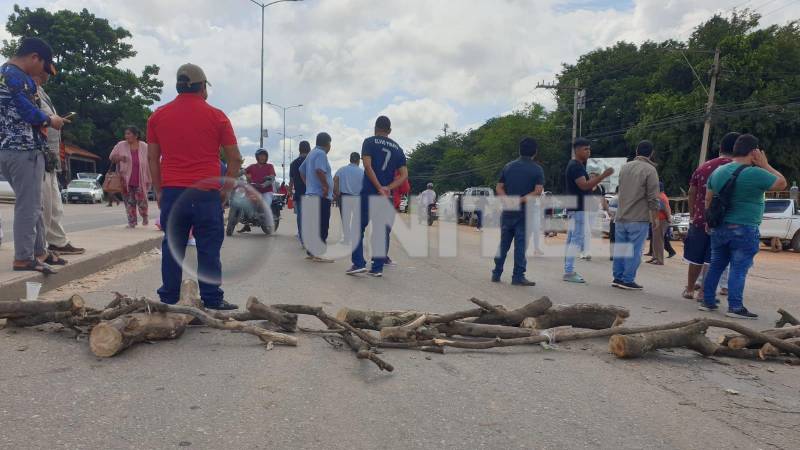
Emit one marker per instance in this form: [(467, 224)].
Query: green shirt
[(747, 202)]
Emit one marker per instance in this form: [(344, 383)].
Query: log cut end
[(105, 340), (77, 303), (625, 346)]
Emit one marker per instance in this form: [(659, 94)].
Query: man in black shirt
[(578, 185), (297, 188), (525, 179)]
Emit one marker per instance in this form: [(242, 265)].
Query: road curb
[(15, 289)]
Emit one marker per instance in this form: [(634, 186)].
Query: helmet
[(261, 151), (430, 185)]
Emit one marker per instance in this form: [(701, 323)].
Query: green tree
[(87, 52)]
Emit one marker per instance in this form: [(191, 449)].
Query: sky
[(423, 63)]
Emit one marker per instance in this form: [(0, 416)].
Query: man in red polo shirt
[(184, 137)]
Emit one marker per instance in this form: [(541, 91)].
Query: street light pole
[(290, 142), (263, 6), (284, 108)]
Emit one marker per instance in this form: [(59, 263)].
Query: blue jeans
[(576, 237), (736, 245), (201, 212), (298, 209), (512, 228), (379, 237), (628, 237)]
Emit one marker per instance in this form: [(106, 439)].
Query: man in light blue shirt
[(346, 189), (316, 174)]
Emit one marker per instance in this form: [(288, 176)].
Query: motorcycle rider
[(425, 199), (261, 176)]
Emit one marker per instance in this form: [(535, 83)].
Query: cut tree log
[(403, 332), (287, 321), (471, 329), (770, 351), (375, 320), (363, 351), (786, 319), (742, 341), (634, 346), (559, 336), (581, 315), (501, 316), (21, 308), (110, 337), (733, 326)]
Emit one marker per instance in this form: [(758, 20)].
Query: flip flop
[(35, 266), (55, 260)]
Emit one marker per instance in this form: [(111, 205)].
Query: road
[(211, 389), (77, 217)]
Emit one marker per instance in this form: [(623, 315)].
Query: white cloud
[(422, 62), (248, 116)]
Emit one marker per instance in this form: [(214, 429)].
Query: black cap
[(30, 45)]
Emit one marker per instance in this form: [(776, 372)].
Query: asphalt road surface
[(77, 217), (212, 389)]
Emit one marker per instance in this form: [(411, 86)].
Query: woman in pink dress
[(130, 156)]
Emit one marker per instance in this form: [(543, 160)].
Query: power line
[(778, 9)]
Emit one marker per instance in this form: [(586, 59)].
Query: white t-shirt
[(427, 197)]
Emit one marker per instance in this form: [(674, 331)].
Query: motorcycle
[(432, 214), (247, 208)]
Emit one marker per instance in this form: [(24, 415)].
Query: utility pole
[(578, 102), (709, 108), (444, 129)]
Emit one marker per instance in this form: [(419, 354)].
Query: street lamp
[(284, 108), (290, 142), (263, 7)]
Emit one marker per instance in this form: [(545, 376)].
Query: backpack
[(721, 201)]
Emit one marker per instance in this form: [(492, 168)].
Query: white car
[(6, 193), (84, 191), (780, 228)]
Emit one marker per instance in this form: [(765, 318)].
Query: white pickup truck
[(780, 228)]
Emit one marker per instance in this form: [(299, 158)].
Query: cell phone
[(70, 115)]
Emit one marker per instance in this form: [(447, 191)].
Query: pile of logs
[(127, 321)]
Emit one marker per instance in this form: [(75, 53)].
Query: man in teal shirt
[(736, 241)]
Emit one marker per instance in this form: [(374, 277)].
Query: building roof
[(69, 149)]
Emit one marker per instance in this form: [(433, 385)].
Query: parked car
[(780, 228), (84, 191), (449, 206), (6, 193), (680, 225), (89, 176)]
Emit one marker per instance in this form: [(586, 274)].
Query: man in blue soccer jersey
[(382, 157)]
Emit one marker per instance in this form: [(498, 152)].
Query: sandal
[(36, 266), (689, 295), (55, 260)]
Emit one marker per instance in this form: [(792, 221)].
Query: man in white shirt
[(347, 184), (425, 199)]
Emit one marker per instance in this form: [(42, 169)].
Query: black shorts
[(697, 246)]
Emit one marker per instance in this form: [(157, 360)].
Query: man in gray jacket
[(638, 205), (53, 207)]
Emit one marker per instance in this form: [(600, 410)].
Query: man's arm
[(154, 161), (371, 174), (28, 111), (336, 191), (692, 193), (234, 159), (709, 196), (589, 185), (760, 160), (323, 180), (397, 182)]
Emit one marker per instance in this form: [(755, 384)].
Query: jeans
[(383, 217), (576, 239), (298, 209), (349, 207), (24, 171), (629, 239), (321, 211), (200, 211), (512, 228), (736, 245)]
